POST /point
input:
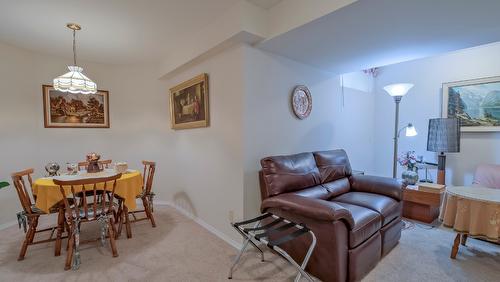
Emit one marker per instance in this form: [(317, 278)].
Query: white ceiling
[(266, 4), (372, 33), (367, 33), (114, 31)]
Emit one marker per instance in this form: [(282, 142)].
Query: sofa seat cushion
[(387, 207), (315, 192), (366, 223)]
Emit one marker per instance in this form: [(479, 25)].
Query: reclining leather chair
[(356, 218)]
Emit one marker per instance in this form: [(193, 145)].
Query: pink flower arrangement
[(408, 160), (93, 157)]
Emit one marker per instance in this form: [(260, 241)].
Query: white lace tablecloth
[(472, 210)]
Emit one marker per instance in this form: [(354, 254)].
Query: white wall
[(136, 99), (206, 170), (272, 129), (216, 167), (302, 12), (424, 102), (197, 169), (213, 172), (208, 178)]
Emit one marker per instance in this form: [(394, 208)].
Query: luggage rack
[(259, 234)]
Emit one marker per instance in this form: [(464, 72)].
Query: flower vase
[(410, 177)]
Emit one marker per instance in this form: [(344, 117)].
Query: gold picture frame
[(189, 103), (69, 110)]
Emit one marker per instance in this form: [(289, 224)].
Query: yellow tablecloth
[(472, 210), (48, 194)]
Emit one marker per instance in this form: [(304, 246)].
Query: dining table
[(128, 187)]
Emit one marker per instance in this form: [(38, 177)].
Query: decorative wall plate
[(301, 101)]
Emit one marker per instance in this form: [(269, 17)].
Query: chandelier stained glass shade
[(75, 81)]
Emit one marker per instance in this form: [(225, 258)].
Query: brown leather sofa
[(356, 218)]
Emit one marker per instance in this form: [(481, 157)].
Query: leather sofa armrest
[(379, 185), (309, 207)]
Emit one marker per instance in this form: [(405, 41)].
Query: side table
[(421, 205), (471, 211)]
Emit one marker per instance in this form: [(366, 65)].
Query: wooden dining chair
[(29, 217), (88, 207), (102, 164), (146, 196)]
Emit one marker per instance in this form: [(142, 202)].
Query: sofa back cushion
[(282, 174), (337, 187), (332, 165)]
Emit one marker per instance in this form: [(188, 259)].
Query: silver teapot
[(52, 169)]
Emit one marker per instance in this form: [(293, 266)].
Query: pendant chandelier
[(75, 81)]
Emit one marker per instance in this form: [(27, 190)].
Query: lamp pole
[(397, 99), (397, 90)]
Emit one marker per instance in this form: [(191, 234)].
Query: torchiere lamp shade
[(444, 135)]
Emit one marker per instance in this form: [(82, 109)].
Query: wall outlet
[(231, 216)]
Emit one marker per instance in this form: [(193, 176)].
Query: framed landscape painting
[(64, 109), (475, 102), (189, 103)]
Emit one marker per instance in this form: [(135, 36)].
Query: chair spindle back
[(22, 190), (148, 175), (80, 191)]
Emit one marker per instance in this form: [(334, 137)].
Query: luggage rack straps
[(274, 230), (261, 217), (264, 227), (288, 237)]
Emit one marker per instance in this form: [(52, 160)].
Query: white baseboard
[(7, 225), (201, 222)]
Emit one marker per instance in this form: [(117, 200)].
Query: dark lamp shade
[(444, 135)]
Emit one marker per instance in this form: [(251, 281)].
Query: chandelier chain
[(75, 80), (74, 48)]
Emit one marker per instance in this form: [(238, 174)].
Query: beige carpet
[(181, 250)]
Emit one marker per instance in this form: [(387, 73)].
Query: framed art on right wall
[(475, 102), (189, 103)]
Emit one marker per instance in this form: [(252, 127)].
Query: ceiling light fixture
[(75, 81)]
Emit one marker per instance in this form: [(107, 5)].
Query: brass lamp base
[(441, 175)]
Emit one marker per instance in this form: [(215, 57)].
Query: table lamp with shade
[(443, 137), (397, 91)]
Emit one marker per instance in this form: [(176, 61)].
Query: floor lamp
[(397, 91), (443, 136)]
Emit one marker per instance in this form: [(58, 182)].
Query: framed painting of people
[(64, 109), (189, 103), (476, 103)]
